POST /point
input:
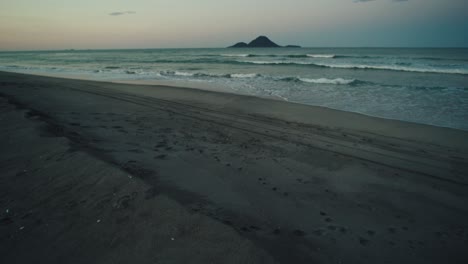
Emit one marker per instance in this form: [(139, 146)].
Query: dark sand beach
[(95, 172)]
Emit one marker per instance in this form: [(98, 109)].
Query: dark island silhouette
[(261, 42)]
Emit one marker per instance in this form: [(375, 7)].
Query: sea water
[(428, 86)]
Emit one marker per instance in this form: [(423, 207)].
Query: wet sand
[(283, 181)]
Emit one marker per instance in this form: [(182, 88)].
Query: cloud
[(122, 13)]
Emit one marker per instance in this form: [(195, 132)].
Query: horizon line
[(179, 48)]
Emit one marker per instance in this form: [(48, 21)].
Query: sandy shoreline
[(62, 205), (302, 183)]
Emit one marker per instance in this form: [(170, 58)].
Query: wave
[(334, 56), (339, 81), (210, 75), (393, 68), (336, 81), (236, 55), (357, 57), (280, 55), (439, 59), (398, 57), (185, 74), (402, 66), (244, 75), (277, 62), (326, 56), (362, 67)]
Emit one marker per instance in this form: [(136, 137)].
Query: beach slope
[(256, 177)]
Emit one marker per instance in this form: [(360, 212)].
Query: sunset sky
[(101, 24)]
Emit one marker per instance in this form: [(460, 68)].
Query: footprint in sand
[(136, 151), (227, 222), (299, 232), (150, 193), (363, 241), (318, 232)]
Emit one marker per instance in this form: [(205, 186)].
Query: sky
[(117, 24)]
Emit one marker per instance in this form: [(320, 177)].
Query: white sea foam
[(244, 75), (188, 74), (260, 62), (208, 75), (364, 67), (176, 73), (278, 62), (437, 95), (326, 56), (235, 55), (327, 81), (393, 68)]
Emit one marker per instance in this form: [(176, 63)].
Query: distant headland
[(261, 42)]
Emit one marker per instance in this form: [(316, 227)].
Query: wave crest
[(244, 75), (322, 56), (209, 75), (362, 67), (236, 55), (338, 81), (393, 68)]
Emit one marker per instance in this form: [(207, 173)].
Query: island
[(261, 42)]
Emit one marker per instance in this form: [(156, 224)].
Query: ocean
[(428, 86)]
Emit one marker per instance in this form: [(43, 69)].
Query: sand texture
[(94, 172)]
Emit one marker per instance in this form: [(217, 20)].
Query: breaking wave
[(236, 55), (326, 56), (209, 75), (335, 81), (340, 81), (362, 67), (393, 68)]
